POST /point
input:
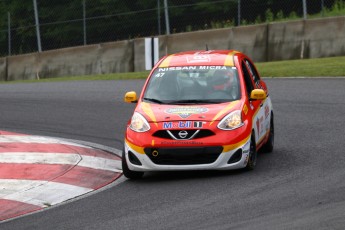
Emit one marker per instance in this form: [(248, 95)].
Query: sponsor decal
[(262, 125), (258, 125), (162, 70), (198, 124), (212, 67), (185, 112), (246, 161), (267, 111), (267, 126), (178, 68), (181, 142), (258, 85), (177, 125), (183, 125), (168, 125)]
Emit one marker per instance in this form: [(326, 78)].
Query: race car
[(199, 110)]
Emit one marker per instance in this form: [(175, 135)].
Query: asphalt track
[(299, 186)]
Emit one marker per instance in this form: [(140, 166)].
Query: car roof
[(199, 58)]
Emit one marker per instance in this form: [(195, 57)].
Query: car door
[(259, 108)]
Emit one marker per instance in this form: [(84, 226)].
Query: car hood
[(201, 112)]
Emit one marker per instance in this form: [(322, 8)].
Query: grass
[(319, 67)]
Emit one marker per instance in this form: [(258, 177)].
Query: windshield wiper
[(153, 100)]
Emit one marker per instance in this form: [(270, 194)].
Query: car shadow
[(267, 163), (188, 175)]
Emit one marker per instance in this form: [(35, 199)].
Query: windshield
[(193, 84)]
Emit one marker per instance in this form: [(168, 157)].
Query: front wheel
[(252, 153), (127, 172)]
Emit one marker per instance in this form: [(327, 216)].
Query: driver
[(223, 85), (222, 80)]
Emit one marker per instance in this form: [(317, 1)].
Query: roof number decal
[(197, 58)]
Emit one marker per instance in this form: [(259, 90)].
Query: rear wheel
[(268, 146), (252, 153), (127, 172)]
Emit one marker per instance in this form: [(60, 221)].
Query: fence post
[(167, 24), (239, 13), (304, 9), (9, 33), (322, 8), (159, 16), (84, 21), (37, 27)]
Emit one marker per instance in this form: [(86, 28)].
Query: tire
[(252, 153), (127, 172), (268, 146)]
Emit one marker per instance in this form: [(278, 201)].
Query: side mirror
[(258, 94), (131, 97)]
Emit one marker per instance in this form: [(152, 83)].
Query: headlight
[(139, 123), (231, 121)]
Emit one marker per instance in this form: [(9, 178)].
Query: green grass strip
[(319, 67)]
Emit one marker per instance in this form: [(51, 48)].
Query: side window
[(253, 73), (247, 78)]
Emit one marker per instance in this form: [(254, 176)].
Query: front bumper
[(206, 158)]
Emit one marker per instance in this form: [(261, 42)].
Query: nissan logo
[(183, 134)]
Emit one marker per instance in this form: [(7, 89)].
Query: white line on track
[(100, 163), (61, 158), (35, 139), (39, 158), (40, 193)]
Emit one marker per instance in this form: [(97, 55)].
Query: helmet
[(221, 80)]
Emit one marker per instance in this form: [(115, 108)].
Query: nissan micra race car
[(199, 110)]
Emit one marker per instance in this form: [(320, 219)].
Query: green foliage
[(258, 20), (61, 21), (293, 15), (269, 15), (338, 6), (279, 16)]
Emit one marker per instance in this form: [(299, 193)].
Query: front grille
[(165, 135), (184, 155)]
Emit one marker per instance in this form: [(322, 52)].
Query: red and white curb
[(38, 172)]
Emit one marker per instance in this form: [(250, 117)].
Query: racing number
[(198, 58), (159, 75)]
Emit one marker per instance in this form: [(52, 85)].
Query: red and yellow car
[(199, 110)]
